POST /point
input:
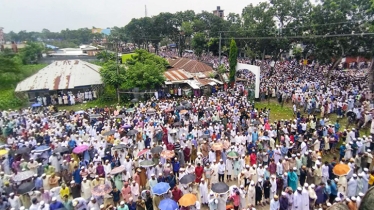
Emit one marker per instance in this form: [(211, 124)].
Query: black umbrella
[(177, 124), (205, 136), (184, 102), (120, 116), (134, 100), (131, 132), (187, 179), (25, 187), (23, 150), (179, 107), (61, 150), (120, 146), (188, 106), (95, 116), (108, 133), (156, 149), (220, 188)]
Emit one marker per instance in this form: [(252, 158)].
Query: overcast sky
[(55, 15)]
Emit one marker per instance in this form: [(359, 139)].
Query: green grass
[(277, 112), (84, 106)]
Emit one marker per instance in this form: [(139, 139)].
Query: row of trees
[(327, 29)]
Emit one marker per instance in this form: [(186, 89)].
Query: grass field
[(126, 56)]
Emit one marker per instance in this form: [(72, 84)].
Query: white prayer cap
[(241, 186), (337, 199), (354, 175), (122, 203), (294, 168), (96, 176), (366, 169), (152, 174), (285, 174), (22, 208), (216, 201), (131, 199), (361, 194), (92, 198), (284, 193), (293, 155), (44, 175), (328, 204), (85, 178), (252, 182), (73, 182), (54, 198), (306, 153), (299, 189), (11, 194), (347, 199), (336, 179), (273, 176), (247, 166), (353, 198), (75, 203), (82, 167), (312, 186), (42, 203), (368, 150), (306, 185)]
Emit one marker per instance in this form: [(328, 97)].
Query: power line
[(301, 37)]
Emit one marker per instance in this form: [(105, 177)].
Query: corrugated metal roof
[(176, 75), (189, 65), (61, 75)]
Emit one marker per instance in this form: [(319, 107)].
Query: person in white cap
[(203, 190), (365, 180), (297, 199), (93, 204), (135, 192), (79, 203), (274, 203), (221, 171), (359, 199), (14, 201), (251, 194), (86, 188), (352, 186)]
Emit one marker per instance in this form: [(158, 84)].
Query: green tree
[(113, 75), (198, 43), (233, 60), (31, 52), (144, 57), (144, 76), (105, 56)]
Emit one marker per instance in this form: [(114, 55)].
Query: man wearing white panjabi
[(203, 190), (86, 189), (214, 168), (273, 188), (342, 185), (135, 190), (229, 169), (352, 186), (305, 196), (251, 194), (297, 199), (243, 195)]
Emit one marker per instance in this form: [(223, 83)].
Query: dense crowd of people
[(220, 150)]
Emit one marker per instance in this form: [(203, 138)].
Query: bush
[(8, 100)]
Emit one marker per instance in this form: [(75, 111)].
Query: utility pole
[(219, 48), (117, 65), (146, 13)]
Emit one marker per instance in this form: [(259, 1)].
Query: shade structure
[(187, 179), (101, 190), (168, 204), (117, 170), (146, 163), (156, 150), (80, 149), (220, 188), (341, 169), (25, 187), (167, 154), (61, 150), (131, 132), (217, 146), (143, 152), (42, 148), (23, 150), (23, 175), (188, 199), (232, 154), (108, 133), (160, 188)]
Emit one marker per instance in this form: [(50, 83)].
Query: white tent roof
[(62, 75)]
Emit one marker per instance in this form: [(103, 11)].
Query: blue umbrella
[(168, 204), (42, 148), (36, 105), (161, 188)]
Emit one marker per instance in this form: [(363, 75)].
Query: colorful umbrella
[(168, 204), (220, 188), (167, 154), (117, 170), (108, 133), (23, 150), (146, 163), (217, 146), (80, 149), (188, 199), (183, 111), (187, 179), (3, 152), (232, 154), (143, 152), (156, 150), (341, 169), (101, 190), (23, 175), (131, 132), (160, 188)]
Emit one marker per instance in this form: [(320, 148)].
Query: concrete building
[(219, 12)]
